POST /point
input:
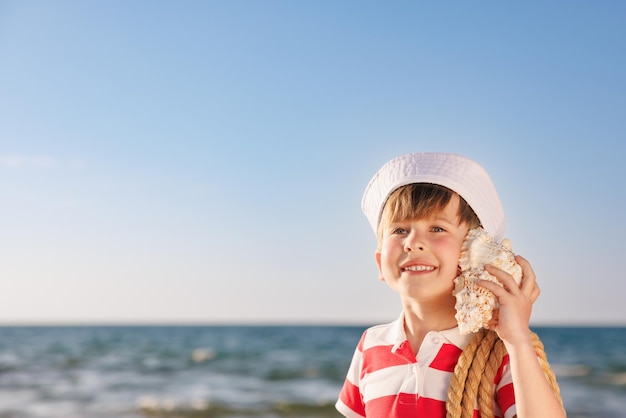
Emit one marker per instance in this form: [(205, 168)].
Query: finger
[(529, 284), (535, 292), (493, 322), (505, 278), (529, 280), (495, 288)]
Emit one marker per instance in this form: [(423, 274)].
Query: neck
[(420, 319)]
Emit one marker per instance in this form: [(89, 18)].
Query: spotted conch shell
[(474, 304)]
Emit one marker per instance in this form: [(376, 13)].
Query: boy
[(421, 206)]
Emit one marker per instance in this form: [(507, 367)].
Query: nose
[(413, 242)]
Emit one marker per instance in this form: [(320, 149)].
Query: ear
[(378, 263)]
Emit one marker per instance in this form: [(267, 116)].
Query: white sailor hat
[(459, 174)]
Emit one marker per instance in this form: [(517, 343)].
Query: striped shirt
[(387, 380)]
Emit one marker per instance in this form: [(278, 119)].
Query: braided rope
[(477, 370), (473, 379), (486, 385), (457, 382)]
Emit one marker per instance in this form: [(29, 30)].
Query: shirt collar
[(398, 333), (452, 335), (455, 337)]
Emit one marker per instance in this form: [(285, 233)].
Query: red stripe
[(381, 357), (405, 405), (446, 358), (351, 397), (506, 397), (388, 406), (431, 408)]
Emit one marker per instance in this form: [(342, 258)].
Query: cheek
[(385, 253), (452, 250), (388, 246)]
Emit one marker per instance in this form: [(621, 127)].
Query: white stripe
[(506, 377), (436, 384), (354, 372), (404, 379), (511, 412), (389, 381)]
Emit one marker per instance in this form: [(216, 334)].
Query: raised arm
[(534, 398)]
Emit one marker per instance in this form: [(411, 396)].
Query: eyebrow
[(454, 221)]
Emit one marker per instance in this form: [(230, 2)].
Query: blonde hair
[(421, 200)]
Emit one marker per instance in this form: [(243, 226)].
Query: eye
[(438, 229), (399, 231)]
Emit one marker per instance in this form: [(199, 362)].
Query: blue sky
[(204, 161)]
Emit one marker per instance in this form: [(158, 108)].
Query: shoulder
[(384, 334)]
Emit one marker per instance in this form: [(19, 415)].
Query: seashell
[(474, 304)]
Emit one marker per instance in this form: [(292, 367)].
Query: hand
[(511, 319)]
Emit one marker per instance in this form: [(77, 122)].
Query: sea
[(244, 371)]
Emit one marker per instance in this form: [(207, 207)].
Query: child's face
[(418, 258)]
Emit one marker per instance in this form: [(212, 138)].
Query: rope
[(473, 379)]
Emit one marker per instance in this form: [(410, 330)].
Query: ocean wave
[(618, 379), (571, 370), (239, 372)]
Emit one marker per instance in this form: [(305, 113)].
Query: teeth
[(419, 268)]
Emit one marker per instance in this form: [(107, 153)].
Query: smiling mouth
[(418, 268)]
